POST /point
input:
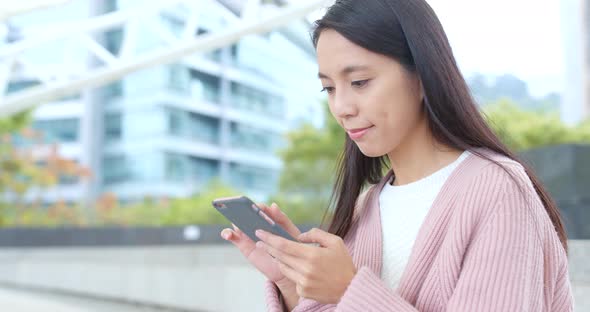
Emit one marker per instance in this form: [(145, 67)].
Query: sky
[(519, 37), (522, 37)]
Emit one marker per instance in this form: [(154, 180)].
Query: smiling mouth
[(358, 130), (358, 133)]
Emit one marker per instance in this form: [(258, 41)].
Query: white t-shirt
[(403, 209)]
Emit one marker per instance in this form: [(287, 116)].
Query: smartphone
[(244, 213)]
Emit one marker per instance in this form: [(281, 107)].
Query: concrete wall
[(579, 266), (201, 278), (195, 278), (565, 172)]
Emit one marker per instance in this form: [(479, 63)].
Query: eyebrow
[(347, 70)]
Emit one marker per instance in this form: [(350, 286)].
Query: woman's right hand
[(257, 256)]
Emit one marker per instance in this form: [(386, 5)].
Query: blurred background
[(120, 121)]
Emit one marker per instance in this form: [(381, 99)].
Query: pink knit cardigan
[(487, 244)]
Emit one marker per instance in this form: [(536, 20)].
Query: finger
[(240, 240), (318, 236), (279, 255), (284, 245), (263, 207), (238, 231), (280, 218), (227, 234), (283, 220), (289, 272)]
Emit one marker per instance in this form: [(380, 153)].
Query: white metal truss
[(57, 83), (11, 8)]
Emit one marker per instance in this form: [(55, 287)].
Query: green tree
[(196, 209), (308, 175), (21, 170), (524, 129)]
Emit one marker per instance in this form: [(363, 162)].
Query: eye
[(359, 83), (328, 89)]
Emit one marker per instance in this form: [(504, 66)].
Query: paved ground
[(20, 300)]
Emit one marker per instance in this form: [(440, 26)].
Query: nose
[(343, 105)]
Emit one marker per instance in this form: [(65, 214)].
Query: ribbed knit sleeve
[(271, 292), (503, 268), (367, 292)]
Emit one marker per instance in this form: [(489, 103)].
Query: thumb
[(318, 236)]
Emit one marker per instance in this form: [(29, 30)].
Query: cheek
[(396, 118), (401, 107)]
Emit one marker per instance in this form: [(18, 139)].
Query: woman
[(456, 224)]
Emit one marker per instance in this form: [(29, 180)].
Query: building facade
[(167, 131)]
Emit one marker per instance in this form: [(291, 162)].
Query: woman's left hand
[(321, 273)]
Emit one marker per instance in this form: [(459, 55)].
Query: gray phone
[(244, 213)]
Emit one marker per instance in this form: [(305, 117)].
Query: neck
[(419, 156)]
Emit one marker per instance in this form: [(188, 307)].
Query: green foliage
[(198, 209), (308, 175), (21, 171), (521, 129), (14, 123)]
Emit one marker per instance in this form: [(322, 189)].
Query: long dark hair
[(410, 32)]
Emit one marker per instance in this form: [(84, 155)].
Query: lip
[(358, 133)]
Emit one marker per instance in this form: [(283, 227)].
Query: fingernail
[(259, 233), (225, 235), (259, 244)]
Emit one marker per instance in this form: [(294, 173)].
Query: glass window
[(203, 128), (247, 137), (205, 86), (249, 177), (175, 121), (15, 86), (114, 40), (179, 78), (202, 170), (254, 100), (193, 126), (115, 169), (176, 168), (58, 130), (112, 90), (183, 168), (112, 127)]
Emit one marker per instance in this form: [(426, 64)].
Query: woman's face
[(373, 97)]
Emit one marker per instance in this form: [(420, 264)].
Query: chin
[(371, 151)]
